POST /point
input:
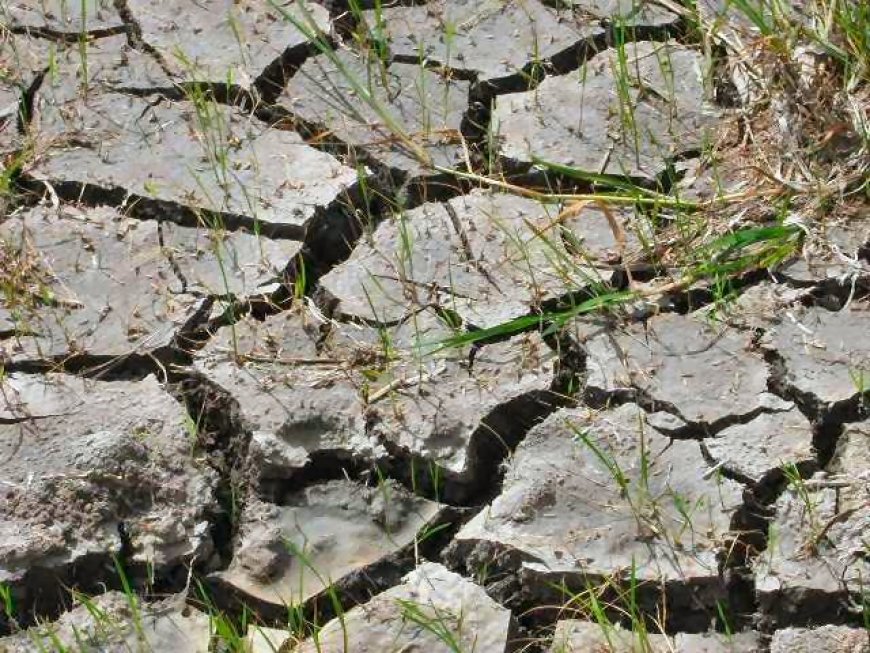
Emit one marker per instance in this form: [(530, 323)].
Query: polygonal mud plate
[(824, 639), (297, 400), (497, 42), (585, 636), (199, 156), (816, 552), (331, 532), (462, 618), (488, 256), (107, 62), (225, 41), (448, 414), (632, 14), (108, 623), (595, 496), (626, 115), (76, 69), (452, 423), (92, 281), (366, 392), (79, 457), (61, 16), (225, 263), (753, 450), (826, 354), (705, 374), (393, 114)]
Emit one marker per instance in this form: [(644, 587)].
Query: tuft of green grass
[(727, 256), (6, 597), (445, 626)]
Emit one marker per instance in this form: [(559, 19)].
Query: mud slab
[(758, 308), (94, 469), (669, 359), (15, 79), (363, 393), (527, 33), (763, 446), (10, 139), (79, 69), (197, 159), (825, 355), (92, 282), (300, 403), (480, 254), (224, 42), (59, 17), (582, 636), (395, 619), (530, 36), (108, 623), (471, 254), (76, 67), (815, 556), (584, 500), (658, 95), (333, 532), (389, 115)]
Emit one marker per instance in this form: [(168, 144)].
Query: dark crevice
[(221, 436), (322, 466), (147, 208), (28, 101), (61, 36), (492, 442), (232, 95), (701, 430), (134, 35), (44, 593), (271, 82), (105, 367), (832, 294), (750, 526)]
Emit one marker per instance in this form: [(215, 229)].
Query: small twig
[(294, 362), (397, 384)]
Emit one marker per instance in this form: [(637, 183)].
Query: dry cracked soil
[(221, 390)]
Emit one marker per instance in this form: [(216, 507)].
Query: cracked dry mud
[(219, 346)]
